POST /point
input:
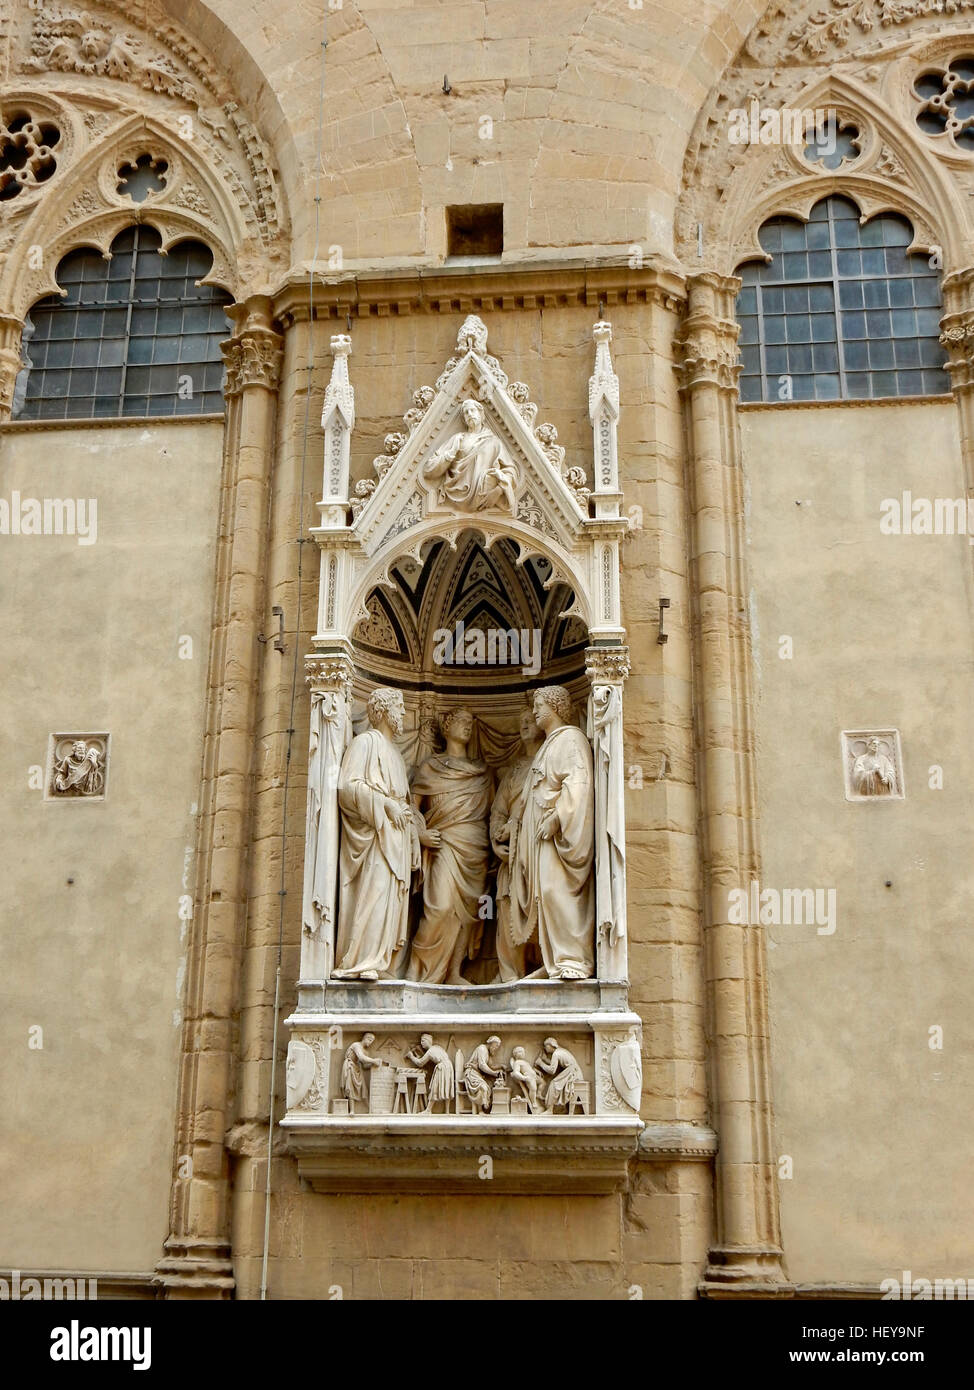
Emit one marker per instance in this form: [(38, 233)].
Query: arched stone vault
[(388, 167), (475, 585)]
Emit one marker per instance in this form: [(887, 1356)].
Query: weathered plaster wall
[(870, 1115), (92, 634)]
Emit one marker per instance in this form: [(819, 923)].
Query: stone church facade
[(489, 676)]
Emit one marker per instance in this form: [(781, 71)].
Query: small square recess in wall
[(475, 230), (872, 763), (77, 767)]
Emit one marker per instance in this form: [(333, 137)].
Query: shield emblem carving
[(626, 1069)]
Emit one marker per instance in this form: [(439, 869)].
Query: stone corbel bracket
[(413, 1154)]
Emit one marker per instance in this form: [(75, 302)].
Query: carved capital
[(328, 675), (701, 366), (607, 665), (957, 327), (253, 358), (706, 349)]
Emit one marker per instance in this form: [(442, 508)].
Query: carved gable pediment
[(470, 452)]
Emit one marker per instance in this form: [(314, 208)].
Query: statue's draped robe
[(551, 882), (567, 1074), (474, 469), (505, 826), (376, 860), (457, 796), (354, 1083), (82, 772), (874, 774), (476, 1082)]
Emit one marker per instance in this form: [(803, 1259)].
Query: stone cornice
[(109, 422), (945, 398), (677, 1141), (461, 289)]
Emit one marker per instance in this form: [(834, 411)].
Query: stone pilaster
[(11, 330), (329, 679), (747, 1253), (197, 1262), (607, 668), (957, 337)]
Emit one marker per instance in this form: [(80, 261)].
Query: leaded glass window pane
[(840, 309), (132, 335)]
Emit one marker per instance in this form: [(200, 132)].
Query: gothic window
[(133, 335), (840, 311)]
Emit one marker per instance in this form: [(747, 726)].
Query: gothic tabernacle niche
[(464, 947), (471, 629)]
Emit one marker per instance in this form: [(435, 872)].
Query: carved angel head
[(93, 45)]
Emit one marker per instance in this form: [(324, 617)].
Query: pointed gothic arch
[(729, 188)]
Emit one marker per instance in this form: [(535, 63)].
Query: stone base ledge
[(405, 999), (745, 1271), (196, 1269), (447, 1153)]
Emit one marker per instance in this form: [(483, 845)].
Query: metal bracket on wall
[(662, 636), (278, 613)]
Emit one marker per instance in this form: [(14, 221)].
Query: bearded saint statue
[(552, 888), (469, 468)]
